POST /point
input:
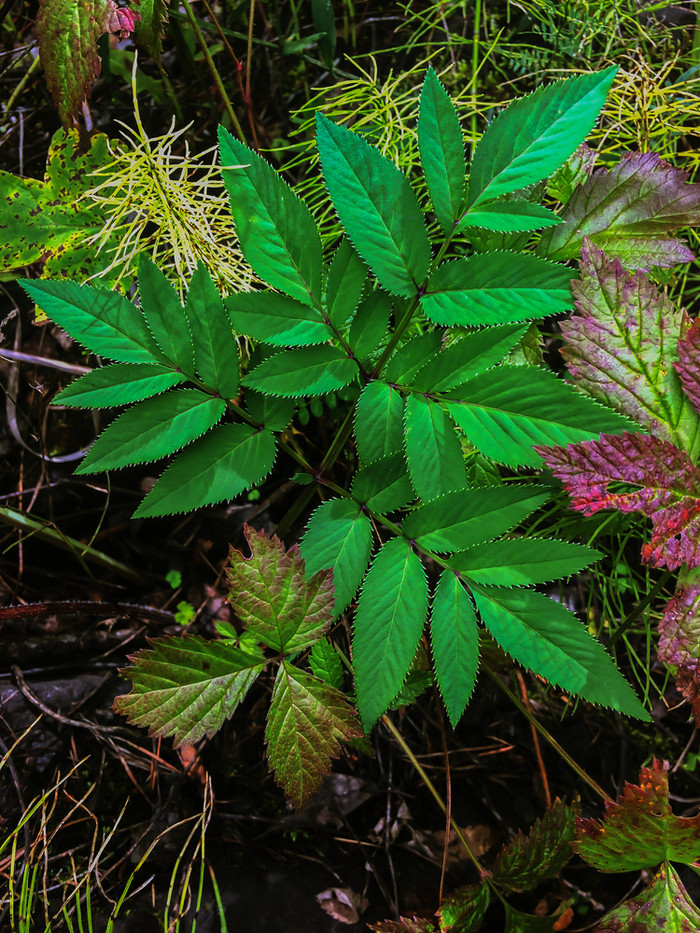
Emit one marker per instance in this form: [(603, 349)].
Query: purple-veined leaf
[(621, 342), (273, 598), (662, 905), (640, 830), (688, 365), (307, 721), (679, 636), (629, 212), (527, 860), (668, 489)]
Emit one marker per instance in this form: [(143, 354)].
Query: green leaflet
[(384, 484), (505, 411), (339, 536), (269, 410), (307, 371), (548, 639), (165, 316), (518, 561), (346, 280), (465, 909), (325, 663), (496, 288), (370, 326), (118, 384), (441, 151), (103, 322), (215, 348), (220, 465), (455, 640), (324, 22), (277, 233), (533, 136), (379, 428), (187, 687), (459, 520), (276, 319), (149, 30), (410, 358), (153, 429), (466, 357), (377, 207), (390, 616), (509, 217), (433, 450)]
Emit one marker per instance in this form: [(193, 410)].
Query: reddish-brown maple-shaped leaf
[(273, 598), (68, 31), (668, 489), (688, 365), (663, 905), (641, 830)]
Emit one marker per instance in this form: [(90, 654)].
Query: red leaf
[(679, 642), (688, 365)]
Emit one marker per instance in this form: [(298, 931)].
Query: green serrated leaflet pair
[(421, 349)]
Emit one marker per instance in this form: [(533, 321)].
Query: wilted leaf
[(663, 905), (527, 860)]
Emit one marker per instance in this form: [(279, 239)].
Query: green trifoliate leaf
[(339, 537), (215, 348), (384, 484), (504, 412), (346, 280), (165, 316), (497, 288), (433, 450), (534, 135), (187, 687), (370, 326), (222, 464), (153, 429), (459, 520), (325, 663), (379, 427), (509, 217), (307, 721), (277, 233), (662, 905), (307, 371), (518, 561), (441, 151), (104, 322), (410, 358), (275, 598), (455, 640), (377, 207), (548, 639), (466, 357), (276, 319), (389, 621), (118, 384)]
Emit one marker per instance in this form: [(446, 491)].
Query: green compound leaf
[(533, 136), (220, 465), (276, 319), (459, 520), (275, 599), (388, 624), (102, 321), (187, 687), (466, 357), (277, 234), (346, 280), (215, 348), (165, 316), (379, 428), (504, 412), (547, 638), (433, 450), (339, 537), (410, 358), (370, 326), (521, 561), (384, 484), (268, 410), (441, 151), (465, 909), (307, 721), (640, 830), (455, 640), (662, 905), (306, 371), (153, 429), (325, 663), (509, 217), (496, 288), (377, 207), (118, 384), (527, 860)]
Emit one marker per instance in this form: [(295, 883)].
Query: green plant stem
[(22, 84), (547, 736), (640, 607)]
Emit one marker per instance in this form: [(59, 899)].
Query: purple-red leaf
[(667, 489), (663, 905), (679, 641), (628, 211), (688, 365), (641, 830), (621, 342)]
